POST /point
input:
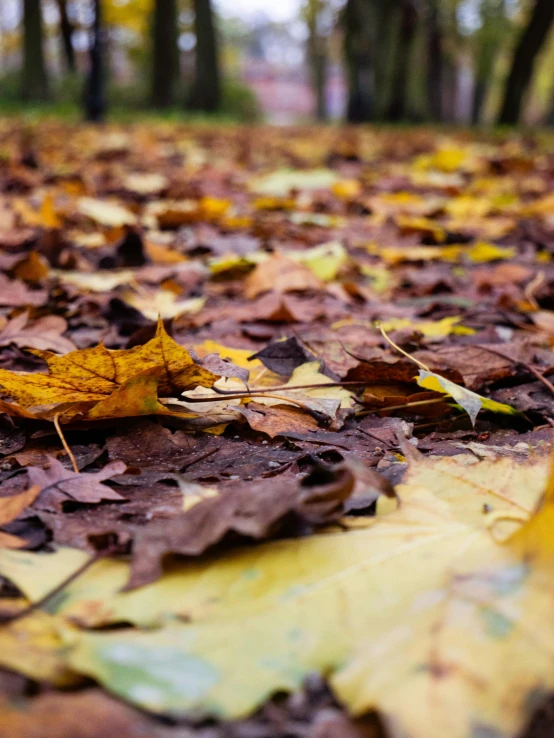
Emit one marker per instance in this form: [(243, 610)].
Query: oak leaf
[(58, 484)]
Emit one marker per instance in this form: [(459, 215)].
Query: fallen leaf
[(280, 274), (435, 330), (31, 646), (163, 303), (100, 281), (84, 714), (14, 293), (283, 357), (105, 212), (33, 268), (396, 579), (475, 365), (325, 401), (278, 420), (501, 485), (255, 511), (95, 375), (42, 334), (470, 401), (10, 508), (325, 260), (58, 484), (281, 182)]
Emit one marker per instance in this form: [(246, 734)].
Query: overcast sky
[(278, 10)]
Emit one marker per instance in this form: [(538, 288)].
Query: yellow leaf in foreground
[(32, 646), (422, 615), (503, 485)]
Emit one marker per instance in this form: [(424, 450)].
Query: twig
[(532, 287), (64, 443), (375, 437), (319, 417), (234, 394), (39, 604), (200, 458), (402, 407), (531, 369), (406, 354)]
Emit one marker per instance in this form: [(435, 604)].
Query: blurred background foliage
[(445, 61)]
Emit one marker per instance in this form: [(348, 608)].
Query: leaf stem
[(64, 443), (406, 354)]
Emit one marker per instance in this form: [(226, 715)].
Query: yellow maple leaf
[(92, 376), (420, 613)]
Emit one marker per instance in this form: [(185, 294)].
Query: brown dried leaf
[(252, 511), (44, 334), (58, 484)]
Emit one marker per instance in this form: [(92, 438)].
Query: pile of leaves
[(276, 426)]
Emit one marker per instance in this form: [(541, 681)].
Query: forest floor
[(276, 423)]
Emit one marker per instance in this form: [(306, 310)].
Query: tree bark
[(479, 96), (95, 103), (165, 53), (531, 42), (206, 89), (435, 62), (408, 25), (318, 59), (66, 32), (34, 80), (358, 49)]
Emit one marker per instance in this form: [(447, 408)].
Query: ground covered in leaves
[(276, 413)]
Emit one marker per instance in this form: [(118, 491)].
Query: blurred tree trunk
[(317, 53), (206, 89), (449, 89), (489, 39), (66, 31), (165, 53), (95, 103), (359, 54), (397, 108), (531, 42), (34, 81), (435, 62), (480, 91)]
